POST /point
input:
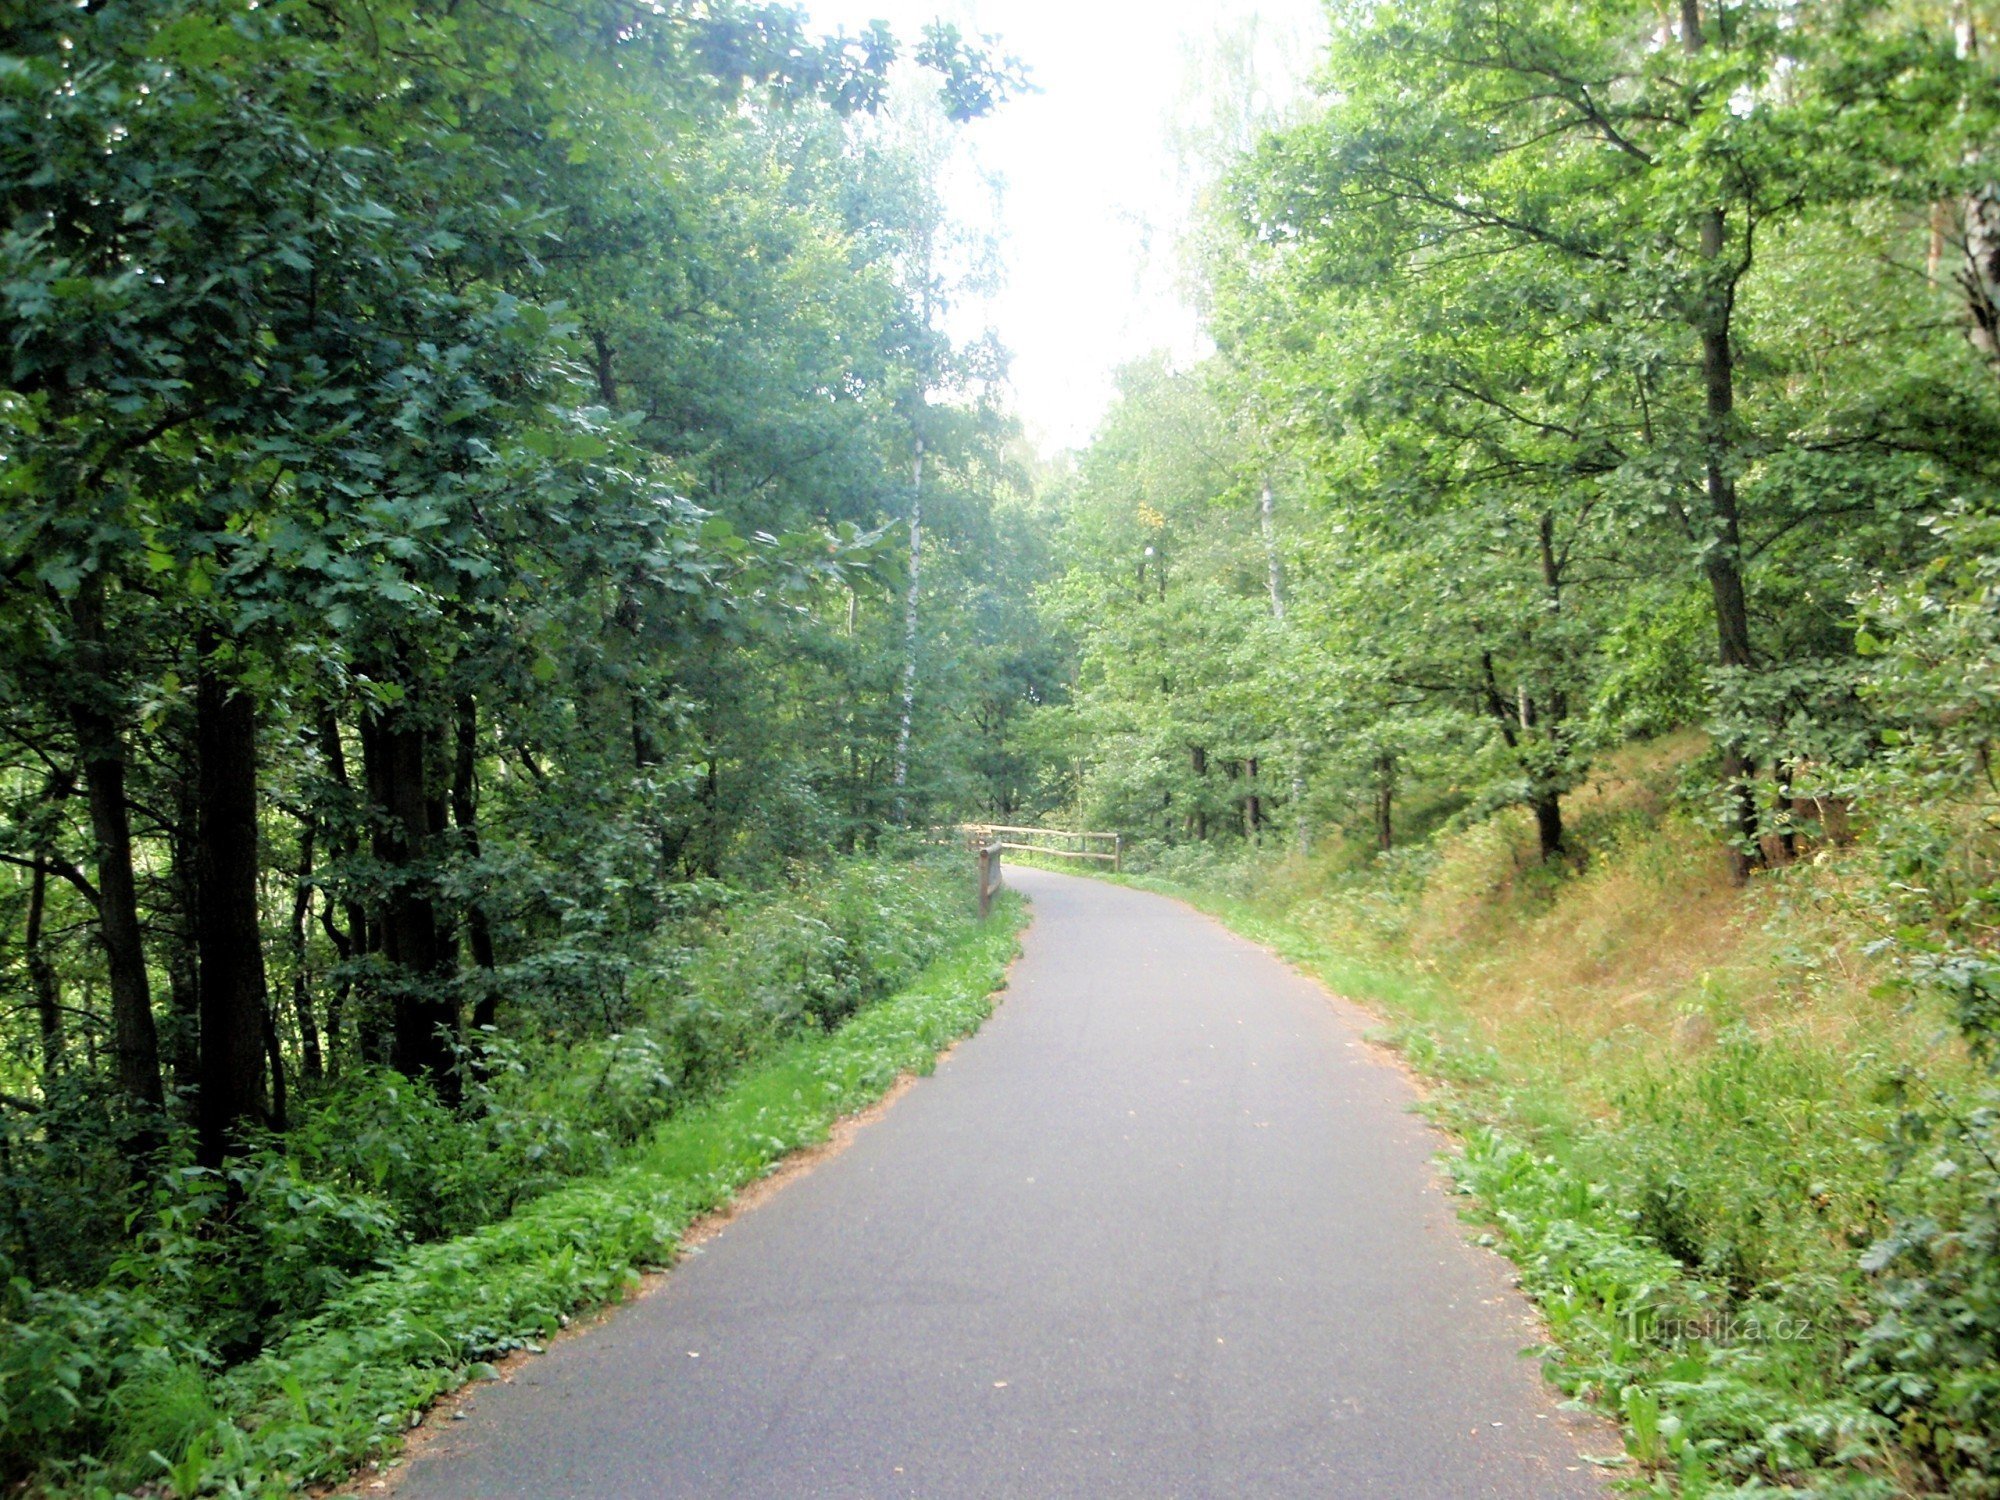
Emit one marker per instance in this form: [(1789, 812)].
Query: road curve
[(1164, 1227)]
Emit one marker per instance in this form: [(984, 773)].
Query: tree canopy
[(502, 530)]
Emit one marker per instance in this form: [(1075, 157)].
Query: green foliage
[(1723, 1394), (820, 954), (1583, 372), (277, 1324), (65, 1355), (1574, 353), (1708, 1300), (1929, 1361), (451, 618)]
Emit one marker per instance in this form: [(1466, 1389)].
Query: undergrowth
[(1673, 1105), (394, 1248)]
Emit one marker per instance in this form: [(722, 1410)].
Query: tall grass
[(1671, 1097)]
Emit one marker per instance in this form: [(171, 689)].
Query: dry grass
[(1643, 946), (1668, 1085), (1630, 960)]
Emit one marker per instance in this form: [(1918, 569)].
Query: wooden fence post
[(989, 877)]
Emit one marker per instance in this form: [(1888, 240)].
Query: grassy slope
[(343, 1388), (1669, 1098)]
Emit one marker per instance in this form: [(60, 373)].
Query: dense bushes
[(457, 576), (818, 955), (1931, 1359), (352, 1228)]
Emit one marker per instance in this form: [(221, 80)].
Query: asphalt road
[(1164, 1227)]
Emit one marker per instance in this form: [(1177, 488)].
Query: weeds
[(282, 1325), (1672, 1107)]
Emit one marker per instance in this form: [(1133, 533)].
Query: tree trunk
[(1548, 822), (1274, 577), (1385, 801), (424, 1012), (900, 777), (1979, 268), (343, 842), (1274, 568), (228, 941), (1724, 564), (180, 1045), (42, 977), (345, 946), (1787, 809), (134, 1041), (1197, 818), (274, 1053), (709, 859), (311, 1064), (607, 384), (1724, 567), (465, 814), (1554, 723)]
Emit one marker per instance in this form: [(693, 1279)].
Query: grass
[(1669, 1099), (341, 1389)]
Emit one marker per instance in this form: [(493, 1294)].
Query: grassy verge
[(1670, 1101), (1720, 1384), (342, 1388)]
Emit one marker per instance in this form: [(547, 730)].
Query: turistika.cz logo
[(1718, 1328)]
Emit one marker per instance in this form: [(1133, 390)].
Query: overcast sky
[(1091, 198)]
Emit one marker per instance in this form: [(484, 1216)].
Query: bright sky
[(1092, 197)]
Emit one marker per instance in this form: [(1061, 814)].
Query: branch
[(56, 867)]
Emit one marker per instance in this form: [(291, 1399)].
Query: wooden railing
[(997, 835)]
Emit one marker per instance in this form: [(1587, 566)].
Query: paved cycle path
[(1164, 1227)]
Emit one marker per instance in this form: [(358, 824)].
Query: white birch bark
[(1274, 569), (901, 774)]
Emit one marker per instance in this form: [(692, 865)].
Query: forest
[(1564, 611), (469, 474), (512, 572)]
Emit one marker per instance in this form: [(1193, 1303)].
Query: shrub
[(62, 1356), (1931, 1359), (311, 1278)]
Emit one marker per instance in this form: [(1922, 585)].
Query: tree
[(1618, 177)]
